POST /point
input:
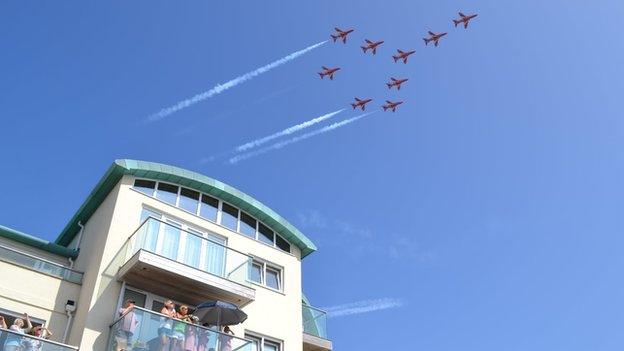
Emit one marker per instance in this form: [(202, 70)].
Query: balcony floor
[(174, 280), (314, 343)]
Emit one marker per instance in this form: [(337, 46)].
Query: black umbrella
[(219, 313)]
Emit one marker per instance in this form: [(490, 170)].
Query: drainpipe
[(70, 317), (80, 234)]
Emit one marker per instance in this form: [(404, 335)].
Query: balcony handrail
[(38, 338), (315, 308), (40, 259), (177, 321), (188, 232)]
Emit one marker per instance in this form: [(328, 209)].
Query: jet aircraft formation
[(399, 56)]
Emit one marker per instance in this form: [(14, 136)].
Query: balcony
[(145, 324), (23, 259), (29, 342), (166, 260), (315, 329)]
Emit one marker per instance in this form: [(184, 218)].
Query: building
[(153, 232)]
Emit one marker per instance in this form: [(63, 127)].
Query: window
[(256, 272), (261, 343), (273, 278), (145, 186), (170, 241), (282, 244), (10, 317), (265, 274), (193, 248), (167, 192), (189, 199), (229, 216), (265, 234), (209, 208), (248, 225)]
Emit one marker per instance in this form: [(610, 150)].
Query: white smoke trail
[(360, 307), (229, 84), (296, 139), (255, 143)]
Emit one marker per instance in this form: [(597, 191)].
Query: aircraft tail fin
[(454, 21), (384, 107), (374, 51), (426, 41), (389, 85), (335, 37), (399, 87), (321, 75), (363, 48), (353, 105), (395, 58)]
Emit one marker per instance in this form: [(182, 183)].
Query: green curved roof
[(39, 243), (189, 179)]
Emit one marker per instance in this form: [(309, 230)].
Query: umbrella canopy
[(219, 313)]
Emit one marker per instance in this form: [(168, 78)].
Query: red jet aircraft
[(360, 103), (434, 38), (328, 72), (371, 45), (396, 83), (391, 105), (402, 55), (341, 34), (464, 19)]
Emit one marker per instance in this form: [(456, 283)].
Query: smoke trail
[(218, 89), (255, 143), (296, 139), (360, 307)]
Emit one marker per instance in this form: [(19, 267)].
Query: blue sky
[(489, 204)]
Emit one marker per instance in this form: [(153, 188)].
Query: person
[(35, 344), (165, 327), (2, 323), (192, 331), (14, 342), (179, 328), (203, 338), (225, 340), (125, 326)]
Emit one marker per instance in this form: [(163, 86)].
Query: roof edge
[(190, 179), (36, 242)]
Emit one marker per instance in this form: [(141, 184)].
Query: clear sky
[(489, 206)]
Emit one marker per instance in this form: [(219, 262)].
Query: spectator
[(192, 331), (165, 327), (14, 342), (179, 328), (225, 339), (203, 338), (126, 326), (2, 323), (35, 344)]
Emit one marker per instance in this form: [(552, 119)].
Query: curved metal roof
[(189, 179)]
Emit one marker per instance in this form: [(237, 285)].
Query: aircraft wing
[(431, 33), (368, 41), (462, 15)]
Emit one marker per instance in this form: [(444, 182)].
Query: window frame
[(219, 215), (265, 265), (261, 340)]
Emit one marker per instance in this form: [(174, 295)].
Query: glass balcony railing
[(314, 321), (9, 339), (38, 264), (143, 330), (189, 248)]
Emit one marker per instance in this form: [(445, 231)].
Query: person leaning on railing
[(36, 344), (126, 327), (13, 341)]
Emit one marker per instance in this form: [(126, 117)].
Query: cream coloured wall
[(41, 296)]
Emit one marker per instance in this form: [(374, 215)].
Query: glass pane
[(272, 279), (248, 225), (139, 299), (145, 186), (167, 192), (229, 216), (148, 234), (215, 255), (265, 234), (256, 273), (269, 346), (189, 199), (170, 242), (192, 250), (282, 244), (209, 208), (157, 306)]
